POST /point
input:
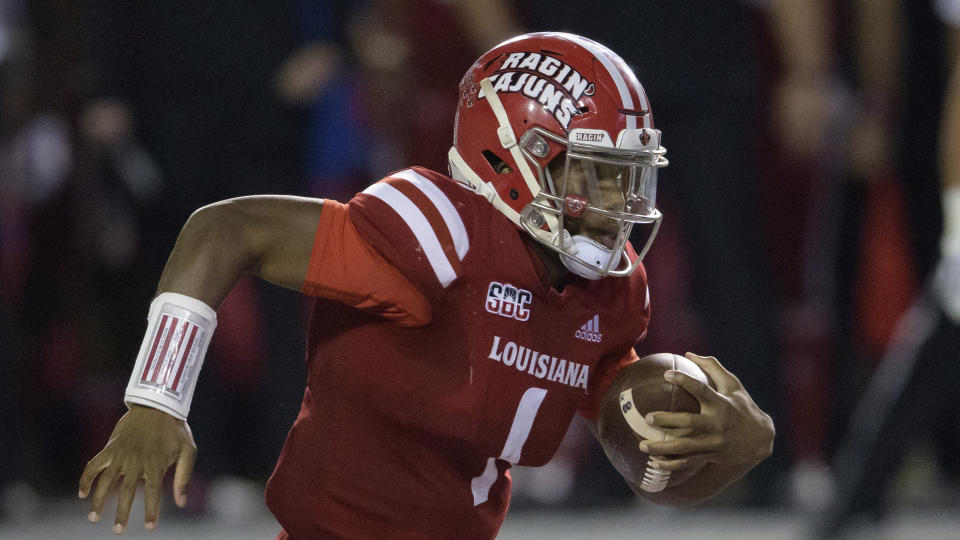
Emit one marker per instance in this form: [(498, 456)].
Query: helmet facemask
[(586, 208)]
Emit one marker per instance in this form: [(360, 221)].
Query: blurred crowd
[(802, 203)]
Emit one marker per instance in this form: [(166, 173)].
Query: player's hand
[(142, 447), (730, 428)]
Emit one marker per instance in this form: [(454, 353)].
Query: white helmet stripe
[(618, 79)]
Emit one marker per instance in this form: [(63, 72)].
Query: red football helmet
[(561, 98)]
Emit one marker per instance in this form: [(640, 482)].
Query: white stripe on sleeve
[(461, 242), (414, 218)]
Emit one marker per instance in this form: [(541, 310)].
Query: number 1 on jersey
[(519, 431)]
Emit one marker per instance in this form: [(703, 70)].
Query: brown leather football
[(640, 389)]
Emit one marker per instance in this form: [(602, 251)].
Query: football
[(640, 389)]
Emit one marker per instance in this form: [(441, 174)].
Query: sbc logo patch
[(508, 301)]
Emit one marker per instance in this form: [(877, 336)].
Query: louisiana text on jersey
[(540, 365)]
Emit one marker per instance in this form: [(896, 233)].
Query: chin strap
[(583, 249)]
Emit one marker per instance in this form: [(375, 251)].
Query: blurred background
[(802, 222)]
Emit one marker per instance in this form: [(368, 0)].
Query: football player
[(460, 322)]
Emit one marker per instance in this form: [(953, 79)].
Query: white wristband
[(179, 329), (950, 239)]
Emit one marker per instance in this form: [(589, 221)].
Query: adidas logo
[(590, 331)]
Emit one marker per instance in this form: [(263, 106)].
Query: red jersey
[(409, 432)]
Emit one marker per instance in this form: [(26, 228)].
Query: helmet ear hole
[(498, 165)]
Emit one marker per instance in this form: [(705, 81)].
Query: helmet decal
[(545, 78), (468, 93), (575, 205)]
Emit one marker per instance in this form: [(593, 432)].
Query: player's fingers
[(669, 464), (90, 472), (675, 463), (679, 420), (104, 487), (125, 496), (726, 382), (700, 390), (181, 478), (681, 446), (153, 482)]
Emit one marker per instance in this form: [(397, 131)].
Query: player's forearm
[(211, 253), (270, 236)]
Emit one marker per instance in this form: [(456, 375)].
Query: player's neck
[(552, 272)]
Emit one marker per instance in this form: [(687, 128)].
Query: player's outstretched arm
[(269, 236), (729, 437)]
